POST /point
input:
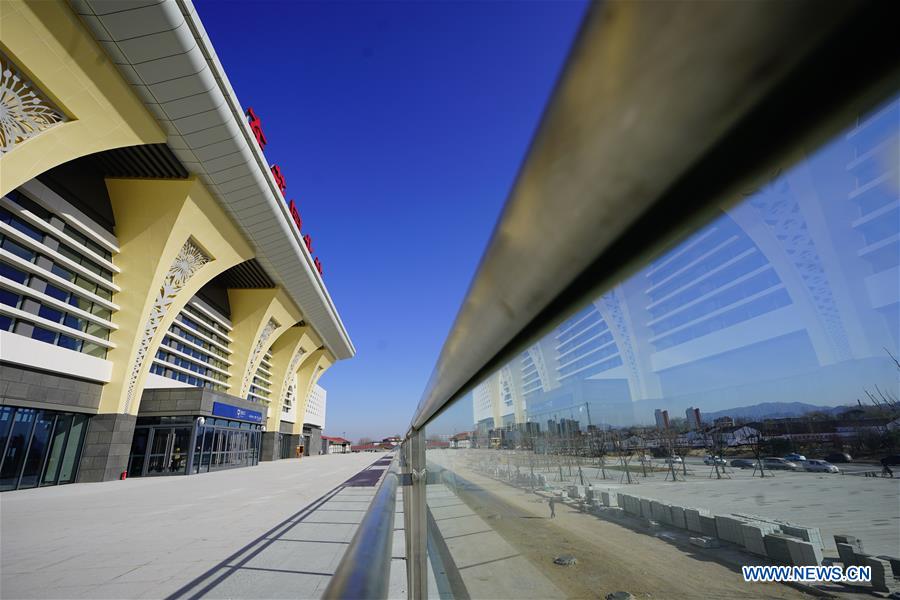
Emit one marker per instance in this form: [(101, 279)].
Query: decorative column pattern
[(188, 261), (253, 363), (287, 387), (781, 212), (25, 111)]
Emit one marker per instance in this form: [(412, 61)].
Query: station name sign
[(220, 409), (256, 126)]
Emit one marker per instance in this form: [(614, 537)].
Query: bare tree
[(756, 444)]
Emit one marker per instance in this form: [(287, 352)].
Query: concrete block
[(676, 513), (656, 511), (665, 514), (620, 499), (804, 553), (692, 520), (895, 563), (705, 542), (645, 508), (729, 528), (754, 534), (634, 504), (882, 577), (849, 557), (608, 499), (813, 535), (708, 526), (851, 540), (778, 548), (573, 491)]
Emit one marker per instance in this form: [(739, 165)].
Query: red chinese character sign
[(256, 127), (295, 215), (279, 178)]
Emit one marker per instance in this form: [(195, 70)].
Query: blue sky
[(399, 127)]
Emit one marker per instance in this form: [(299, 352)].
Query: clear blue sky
[(400, 127)]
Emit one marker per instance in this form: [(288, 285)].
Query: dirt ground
[(610, 557)]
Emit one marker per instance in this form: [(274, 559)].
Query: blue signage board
[(233, 412)]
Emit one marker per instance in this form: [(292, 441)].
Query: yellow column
[(307, 376), (289, 352), (174, 239), (259, 317)]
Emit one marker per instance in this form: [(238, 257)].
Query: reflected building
[(790, 295)]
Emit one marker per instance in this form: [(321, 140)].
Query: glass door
[(178, 450), (158, 459)]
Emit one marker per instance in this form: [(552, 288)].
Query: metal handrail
[(365, 569), (644, 138)]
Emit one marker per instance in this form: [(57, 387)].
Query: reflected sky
[(791, 295)]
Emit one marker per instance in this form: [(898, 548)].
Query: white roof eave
[(162, 50)]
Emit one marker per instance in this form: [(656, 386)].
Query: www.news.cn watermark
[(831, 574)]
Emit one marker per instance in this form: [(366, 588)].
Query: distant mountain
[(770, 410)]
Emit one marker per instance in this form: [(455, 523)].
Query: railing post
[(416, 525)]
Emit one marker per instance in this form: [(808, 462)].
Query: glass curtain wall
[(745, 383), (182, 445), (40, 447)]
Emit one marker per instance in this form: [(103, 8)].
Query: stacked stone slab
[(882, 574), (754, 534), (813, 535), (645, 508), (848, 546), (708, 526), (729, 528), (692, 519), (778, 547), (677, 515), (609, 499), (804, 553), (660, 512)]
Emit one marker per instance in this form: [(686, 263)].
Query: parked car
[(891, 461), (714, 460), (743, 463), (794, 457), (775, 463), (839, 457), (674, 459), (820, 466)]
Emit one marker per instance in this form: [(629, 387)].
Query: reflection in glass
[(722, 377)]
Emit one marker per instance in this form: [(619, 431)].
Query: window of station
[(189, 445), (195, 351), (39, 275), (40, 447)]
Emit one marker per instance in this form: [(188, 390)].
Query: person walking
[(552, 508)]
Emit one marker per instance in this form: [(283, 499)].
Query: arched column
[(173, 239), (289, 353), (309, 373), (258, 317), (72, 76)]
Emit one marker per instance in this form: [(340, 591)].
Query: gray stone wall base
[(107, 445), (270, 448)]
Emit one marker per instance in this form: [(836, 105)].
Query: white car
[(674, 459), (714, 460), (820, 466)]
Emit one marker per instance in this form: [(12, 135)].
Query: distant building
[(335, 445), (461, 440), (724, 422), (693, 418), (314, 420), (662, 418)]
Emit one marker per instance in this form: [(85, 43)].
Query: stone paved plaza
[(868, 508), (277, 530)]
